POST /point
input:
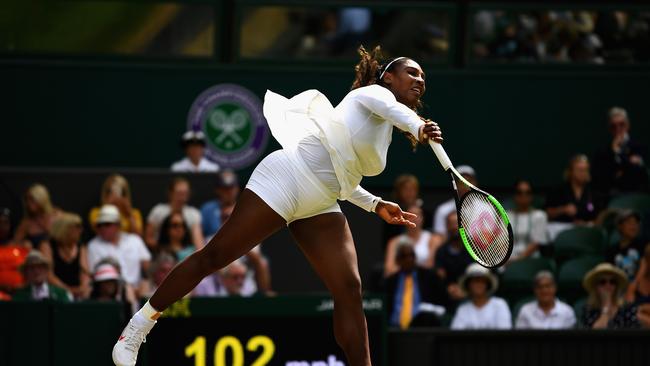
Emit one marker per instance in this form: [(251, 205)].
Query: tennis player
[(326, 151)]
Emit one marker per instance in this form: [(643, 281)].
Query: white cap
[(106, 272), (108, 214), (466, 170)]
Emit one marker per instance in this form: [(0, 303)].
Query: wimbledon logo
[(232, 120)]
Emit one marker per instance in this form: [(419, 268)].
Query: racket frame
[(448, 167)]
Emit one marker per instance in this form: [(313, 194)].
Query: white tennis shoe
[(125, 351)]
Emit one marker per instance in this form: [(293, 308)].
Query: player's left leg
[(327, 243)]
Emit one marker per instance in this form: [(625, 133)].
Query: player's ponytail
[(365, 72)]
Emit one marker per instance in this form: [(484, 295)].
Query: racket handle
[(441, 154)]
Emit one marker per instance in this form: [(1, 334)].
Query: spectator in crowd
[(70, 269), (627, 252), (178, 196), (35, 270), (175, 237), (116, 191), (12, 255), (109, 286), (160, 267), (529, 225), (605, 308), (638, 292), (443, 210), (423, 243), (257, 279), (128, 249), (546, 311), (227, 190), (574, 202), (193, 143), (452, 259), (39, 213), (411, 288), (406, 192), (230, 282), (482, 310), (619, 167)]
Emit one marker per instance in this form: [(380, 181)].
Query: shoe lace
[(135, 338)]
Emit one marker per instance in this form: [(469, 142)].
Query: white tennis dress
[(326, 150)]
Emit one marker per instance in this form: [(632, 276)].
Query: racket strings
[(486, 232)]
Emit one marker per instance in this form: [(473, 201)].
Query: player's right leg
[(251, 222)]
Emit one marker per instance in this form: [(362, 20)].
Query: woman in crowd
[(175, 237), (574, 202), (482, 310), (108, 285), (68, 257), (406, 192), (529, 225), (422, 241), (39, 213), (116, 191), (605, 308), (178, 194)]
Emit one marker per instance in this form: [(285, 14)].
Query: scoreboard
[(257, 331)]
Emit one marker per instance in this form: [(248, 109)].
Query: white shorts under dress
[(297, 184)]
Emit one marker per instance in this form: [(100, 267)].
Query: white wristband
[(375, 202)]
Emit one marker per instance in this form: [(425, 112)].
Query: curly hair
[(367, 72)]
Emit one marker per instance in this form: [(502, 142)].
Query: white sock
[(146, 315)]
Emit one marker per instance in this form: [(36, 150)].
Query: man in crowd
[(619, 167), (546, 311), (35, 270), (193, 143), (226, 191), (412, 289), (128, 249)]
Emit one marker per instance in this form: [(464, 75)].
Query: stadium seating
[(571, 274), (516, 281), (578, 241), (637, 201)]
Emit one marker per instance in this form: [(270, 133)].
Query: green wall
[(505, 123)]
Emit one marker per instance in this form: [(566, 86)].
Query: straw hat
[(591, 278), (475, 270)]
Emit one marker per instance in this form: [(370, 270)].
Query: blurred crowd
[(336, 32), (46, 255), (581, 256), (546, 36)]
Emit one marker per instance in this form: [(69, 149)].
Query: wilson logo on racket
[(484, 230)]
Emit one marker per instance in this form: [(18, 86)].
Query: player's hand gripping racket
[(483, 224)]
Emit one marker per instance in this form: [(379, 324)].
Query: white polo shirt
[(186, 166), (495, 314), (531, 316), (129, 251)]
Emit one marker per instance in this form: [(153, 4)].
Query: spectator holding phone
[(116, 191)]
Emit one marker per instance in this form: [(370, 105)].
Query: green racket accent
[(503, 213), (463, 236)]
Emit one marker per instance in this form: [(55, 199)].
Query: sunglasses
[(605, 281), (105, 224), (176, 224)]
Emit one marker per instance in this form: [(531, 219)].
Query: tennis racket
[(483, 224)]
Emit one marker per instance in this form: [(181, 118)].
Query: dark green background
[(505, 123)]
